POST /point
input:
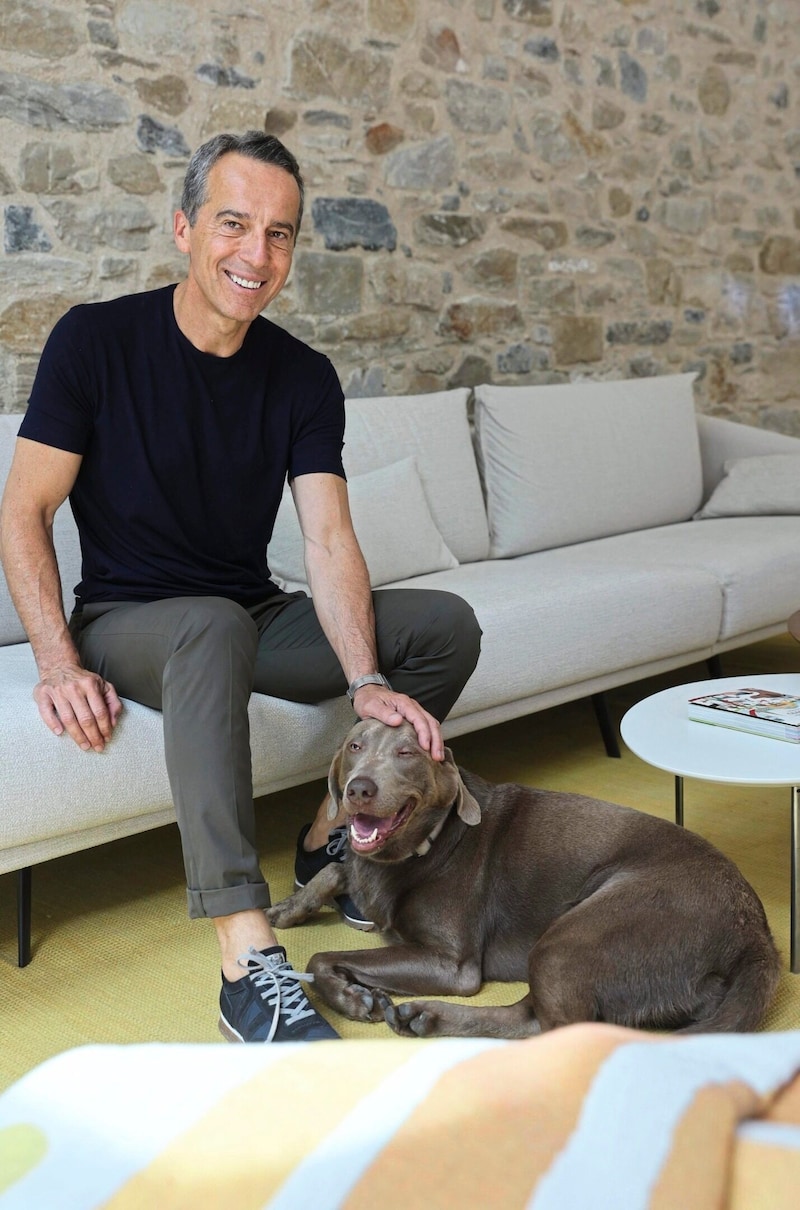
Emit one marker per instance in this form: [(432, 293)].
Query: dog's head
[(395, 795)]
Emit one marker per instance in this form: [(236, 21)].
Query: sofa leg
[(714, 665), (607, 729), (24, 880)]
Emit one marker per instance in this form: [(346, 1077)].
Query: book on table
[(759, 711)]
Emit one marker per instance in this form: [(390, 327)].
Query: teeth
[(363, 839), (248, 285)]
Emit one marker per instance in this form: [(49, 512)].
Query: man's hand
[(79, 702), (375, 701)]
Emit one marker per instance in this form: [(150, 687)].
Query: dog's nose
[(361, 790)]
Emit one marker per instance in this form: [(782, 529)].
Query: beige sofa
[(564, 514)]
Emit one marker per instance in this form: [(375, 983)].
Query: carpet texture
[(117, 960)]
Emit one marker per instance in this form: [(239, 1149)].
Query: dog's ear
[(467, 806), (334, 793)]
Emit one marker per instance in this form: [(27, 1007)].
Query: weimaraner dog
[(608, 913)]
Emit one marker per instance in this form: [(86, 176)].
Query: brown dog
[(610, 914)]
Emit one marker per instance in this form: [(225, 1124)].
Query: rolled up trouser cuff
[(228, 900)]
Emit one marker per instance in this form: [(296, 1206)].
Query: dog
[(608, 913)]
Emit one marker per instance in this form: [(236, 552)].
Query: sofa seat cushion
[(755, 559), (558, 618), (573, 462), (57, 798)]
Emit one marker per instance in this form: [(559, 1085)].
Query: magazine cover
[(763, 711)]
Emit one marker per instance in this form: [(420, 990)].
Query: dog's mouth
[(368, 833)]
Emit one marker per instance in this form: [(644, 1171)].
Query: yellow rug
[(117, 960)]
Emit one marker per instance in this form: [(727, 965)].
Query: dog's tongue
[(369, 829)]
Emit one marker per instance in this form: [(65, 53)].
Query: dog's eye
[(354, 746), (405, 752)]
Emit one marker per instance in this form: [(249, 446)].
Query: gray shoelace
[(282, 987), (337, 840)]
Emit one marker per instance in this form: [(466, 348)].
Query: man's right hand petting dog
[(610, 914)]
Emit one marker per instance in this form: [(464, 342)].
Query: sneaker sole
[(363, 926), (228, 1032)]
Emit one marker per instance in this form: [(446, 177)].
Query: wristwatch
[(372, 678)]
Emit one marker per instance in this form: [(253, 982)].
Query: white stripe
[(325, 1176)]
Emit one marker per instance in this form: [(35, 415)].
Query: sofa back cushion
[(433, 430), (568, 463), (393, 524), (65, 535)]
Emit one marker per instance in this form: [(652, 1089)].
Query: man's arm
[(339, 582), (68, 696)]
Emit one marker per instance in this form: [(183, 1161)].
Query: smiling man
[(172, 419)]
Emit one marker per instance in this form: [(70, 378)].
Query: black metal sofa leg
[(607, 729), (24, 881), (714, 665)]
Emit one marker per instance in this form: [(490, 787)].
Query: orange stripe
[(244, 1148), (491, 1127)]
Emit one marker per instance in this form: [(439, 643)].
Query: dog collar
[(426, 844)]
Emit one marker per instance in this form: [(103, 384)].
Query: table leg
[(679, 800), (794, 904)]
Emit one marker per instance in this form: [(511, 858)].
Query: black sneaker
[(269, 1004), (306, 865)]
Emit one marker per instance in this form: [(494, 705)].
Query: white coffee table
[(658, 730)]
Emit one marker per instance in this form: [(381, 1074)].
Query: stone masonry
[(511, 191)]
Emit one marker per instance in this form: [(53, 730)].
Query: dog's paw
[(286, 914), (365, 1003), (415, 1019)]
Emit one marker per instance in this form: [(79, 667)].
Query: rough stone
[(168, 93), (48, 168), (475, 317), (134, 173), (124, 225), (548, 233), (713, 91), (780, 255), (632, 77), (536, 12), (577, 339), (688, 216), (51, 274), (476, 110), (21, 233), (223, 77), (606, 115), (471, 372), (454, 230), (663, 282), (551, 296), (407, 284), (392, 18), (619, 201), (429, 165), (146, 24), (383, 138), (494, 269), (84, 106), (327, 283), (324, 66), (37, 29), (153, 136), (354, 223), (25, 323), (632, 332), (441, 49), (279, 121)]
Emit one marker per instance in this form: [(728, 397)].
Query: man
[(172, 419)]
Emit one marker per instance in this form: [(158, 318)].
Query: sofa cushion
[(765, 484), (392, 521), (569, 463), (433, 429)]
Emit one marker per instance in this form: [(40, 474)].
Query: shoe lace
[(282, 986), (337, 840)]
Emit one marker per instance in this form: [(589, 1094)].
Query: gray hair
[(253, 143)]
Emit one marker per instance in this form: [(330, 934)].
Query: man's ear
[(180, 231), (334, 792)]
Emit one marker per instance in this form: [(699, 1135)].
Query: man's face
[(240, 247)]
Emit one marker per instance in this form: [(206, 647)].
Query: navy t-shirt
[(184, 453)]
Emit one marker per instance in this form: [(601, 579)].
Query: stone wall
[(505, 190)]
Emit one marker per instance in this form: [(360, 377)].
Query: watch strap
[(371, 678)]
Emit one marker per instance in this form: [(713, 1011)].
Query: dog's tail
[(747, 996)]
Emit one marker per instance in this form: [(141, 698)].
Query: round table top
[(659, 731)]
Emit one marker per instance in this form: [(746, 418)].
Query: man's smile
[(246, 282)]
